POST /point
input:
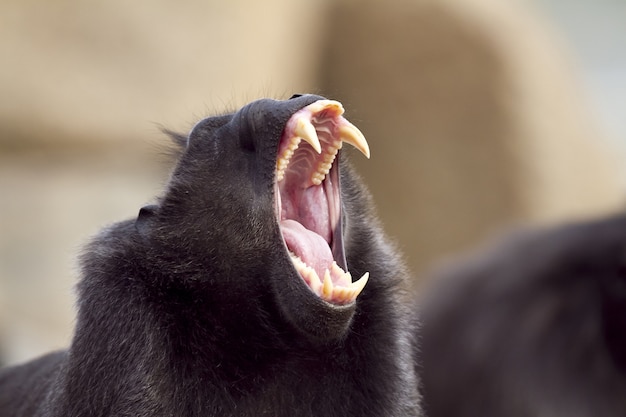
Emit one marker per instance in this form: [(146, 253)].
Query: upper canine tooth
[(351, 134), (306, 130)]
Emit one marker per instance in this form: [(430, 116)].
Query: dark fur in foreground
[(536, 328), (194, 309)]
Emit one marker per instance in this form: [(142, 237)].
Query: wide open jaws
[(308, 202)]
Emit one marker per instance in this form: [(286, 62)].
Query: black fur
[(194, 308), (536, 327)]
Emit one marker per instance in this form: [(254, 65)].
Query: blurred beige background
[(474, 110)]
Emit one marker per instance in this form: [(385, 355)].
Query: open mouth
[(308, 198)]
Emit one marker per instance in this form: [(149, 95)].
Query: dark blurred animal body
[(534, 327)]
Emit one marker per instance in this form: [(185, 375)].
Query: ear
[(179, 139), (146, 213)]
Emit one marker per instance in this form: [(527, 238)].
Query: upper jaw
[(308, 202)]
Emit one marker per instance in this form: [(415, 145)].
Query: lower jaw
[(316, 319)]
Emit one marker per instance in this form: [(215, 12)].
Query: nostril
[(295, 96)]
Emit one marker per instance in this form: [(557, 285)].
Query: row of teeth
[(326, 163), (305, 130), (327, 290)]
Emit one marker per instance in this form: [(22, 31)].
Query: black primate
[(230, 296), (535, 327)]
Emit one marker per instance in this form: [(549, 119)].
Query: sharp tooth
[(341, 294), (296, 260), (337, 269), (346, 279), (306, 131), (358, 286), (327, 289), (314, 281), (349, 133)]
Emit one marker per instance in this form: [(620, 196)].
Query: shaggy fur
[(195, 309), (536, 327)]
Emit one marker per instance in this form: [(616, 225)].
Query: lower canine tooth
[(358, 286)]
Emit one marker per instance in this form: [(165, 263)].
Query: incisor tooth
[(306, 131), (351, 134)]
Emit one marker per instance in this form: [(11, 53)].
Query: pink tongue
[(308, 245)]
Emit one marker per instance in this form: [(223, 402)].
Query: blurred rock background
[(479, 114)]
